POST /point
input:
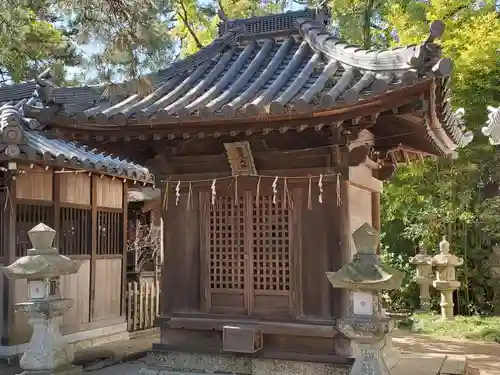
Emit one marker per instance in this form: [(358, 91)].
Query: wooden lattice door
[(248, 256), (271, 257), (227, 291)]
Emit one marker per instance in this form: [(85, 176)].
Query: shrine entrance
[(248, 256)]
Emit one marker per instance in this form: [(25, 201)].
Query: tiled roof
[(310, 70), (264, 68), (21, 135)]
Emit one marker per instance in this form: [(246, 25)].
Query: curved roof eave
[(23, 141)]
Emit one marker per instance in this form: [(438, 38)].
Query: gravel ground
[(129, 368)]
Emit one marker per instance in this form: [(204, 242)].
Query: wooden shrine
[(82, 194), (271, 145)]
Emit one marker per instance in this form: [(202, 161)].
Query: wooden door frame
[(249, 293)]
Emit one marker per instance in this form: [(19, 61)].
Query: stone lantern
[(446, 282), (423, 263), (365, 277), (47, 352)]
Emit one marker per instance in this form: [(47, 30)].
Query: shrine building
[(270, 145)]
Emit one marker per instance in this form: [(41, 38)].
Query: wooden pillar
[(10, 257), (164, 275), (124, 251), (56, 198), (376, 214), (345, 236), (93, 242)]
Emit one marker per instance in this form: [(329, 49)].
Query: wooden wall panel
[(36, 184), (319, 236), (109, 192), (108, 281), (3, 300), (77, 287), (181, 271), (72, 286), (75, 188), (4, 226)]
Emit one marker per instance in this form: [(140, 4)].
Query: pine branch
[(184, 18)]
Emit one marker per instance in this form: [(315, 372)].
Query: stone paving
[(483, 357)]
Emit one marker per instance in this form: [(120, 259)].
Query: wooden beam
[(9, 285), (355, 157), (124, 251), (164, 275), (385, 172), (345, 237), (93, 244), (194, 126), (299, 172), (358, 155), (56, 198)]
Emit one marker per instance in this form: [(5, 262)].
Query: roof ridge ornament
[(428, 60), (273, 23), (412, 61)]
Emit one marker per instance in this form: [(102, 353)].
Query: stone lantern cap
[(365, 271), (43, 261), (422, 258), (445, 258)]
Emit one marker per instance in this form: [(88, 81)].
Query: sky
[(90, 49)]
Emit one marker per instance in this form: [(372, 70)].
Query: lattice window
[(110, 232), (271, 245), (76, 231), (227, 244), (28, 216)]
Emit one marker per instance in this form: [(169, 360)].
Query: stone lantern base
[(47, 352)]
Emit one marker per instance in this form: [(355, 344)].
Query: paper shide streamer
[(287, 196)]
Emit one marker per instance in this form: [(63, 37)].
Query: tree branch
[(184, 18)]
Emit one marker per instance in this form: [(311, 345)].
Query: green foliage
[(130, 38), (462, 327), (359, 21), (198, 21), (28, 44), (457, 198)]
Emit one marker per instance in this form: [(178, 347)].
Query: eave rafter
[(361, 114)]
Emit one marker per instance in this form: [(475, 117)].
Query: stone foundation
[(73, 370), (80, 340), (159, 363)]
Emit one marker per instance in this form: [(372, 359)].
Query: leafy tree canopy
[(457, 198)]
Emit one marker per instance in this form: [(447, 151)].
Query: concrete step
[(430, 364)]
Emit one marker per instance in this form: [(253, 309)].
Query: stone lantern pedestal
[(47, 352), (423, 263), (446, 282), (365, 277)]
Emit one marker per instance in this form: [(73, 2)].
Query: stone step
[(430, 364)]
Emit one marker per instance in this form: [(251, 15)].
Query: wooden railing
[(143, 304)]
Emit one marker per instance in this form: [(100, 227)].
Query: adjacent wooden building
[(82, 194), (145, 234), (271, 144)]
